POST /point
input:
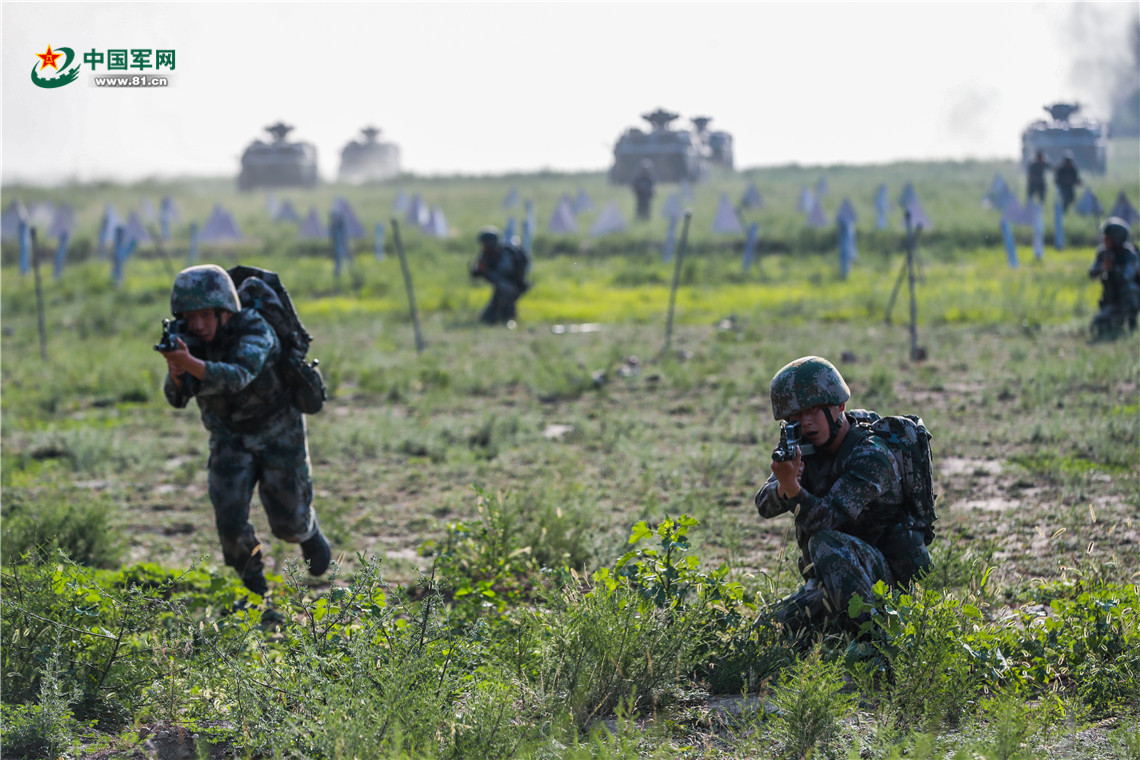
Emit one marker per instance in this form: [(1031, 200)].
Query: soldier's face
[(204, 323), (813, 421)]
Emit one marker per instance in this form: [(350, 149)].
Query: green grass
[(448, 462)]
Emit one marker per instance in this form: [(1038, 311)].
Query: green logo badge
[(50, 59)]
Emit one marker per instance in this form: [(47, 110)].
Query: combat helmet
[(806, 382), (489, 235), (1116, 230), (207, 286)]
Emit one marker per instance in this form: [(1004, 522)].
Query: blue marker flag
[(378, 241), (25, 246), (1010, 246), (61, 254), (750, 245), (117, 255), (1058, 226), (1038, 231)]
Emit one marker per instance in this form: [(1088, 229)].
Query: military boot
[(254, 580), (317, 553)]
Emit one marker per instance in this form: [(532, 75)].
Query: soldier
[(643, 187), (1066, 178), (505, 267), (257, 435), (1117, 267), (845, 491), (1036, 176)]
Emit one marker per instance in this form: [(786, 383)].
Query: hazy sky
[(495, 87)]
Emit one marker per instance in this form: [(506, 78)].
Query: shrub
[(810, 708), (39, 525), (593, 651)]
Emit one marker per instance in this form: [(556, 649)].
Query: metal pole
[(39, 297), (676, 278), (408, 286), (914, 350), (895, 292)]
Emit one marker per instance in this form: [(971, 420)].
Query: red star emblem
[(48, 59)]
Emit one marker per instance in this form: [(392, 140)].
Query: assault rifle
[(172, 330), (785, 451)]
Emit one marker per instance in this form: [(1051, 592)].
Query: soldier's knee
[(825, 542)]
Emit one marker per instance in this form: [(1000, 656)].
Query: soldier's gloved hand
[(182, 360), (176, 360), (788, 475)]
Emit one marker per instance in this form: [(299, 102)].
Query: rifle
[(172, 330)]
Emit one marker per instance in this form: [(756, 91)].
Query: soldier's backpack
[(262, 291), (909, 443), (520, 265)]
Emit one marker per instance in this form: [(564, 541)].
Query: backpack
[(909, 443), (520, 264), (262, 291)]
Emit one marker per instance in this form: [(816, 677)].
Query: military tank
[(369, 160), (676, 154), (717, 143), (279, 163), (1086, 138)]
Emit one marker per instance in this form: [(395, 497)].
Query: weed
[(39, 525), (810, 708), (46, 728)]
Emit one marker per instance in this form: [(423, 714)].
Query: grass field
[(481, 497)]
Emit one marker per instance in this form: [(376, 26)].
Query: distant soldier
[(257, 435), (844, 489), (1066, 178), (505, 266), (1117, 266), (1036, 176), (644, 185)]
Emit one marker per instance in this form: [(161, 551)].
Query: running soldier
[(257, 434)]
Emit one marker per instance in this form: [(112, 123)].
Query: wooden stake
[(676, 278), (39, 297), (408, 286)]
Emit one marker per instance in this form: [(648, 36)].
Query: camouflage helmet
[(808, 381), (203, 287), (1115, 229), (489, 235)]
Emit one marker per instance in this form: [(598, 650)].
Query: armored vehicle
[(676, 154), (1086, 138), (369, 160), (279, 163), (717, 144)]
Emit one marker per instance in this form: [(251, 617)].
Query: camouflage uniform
[(1066, 178), (497, 265), (643, 188), (257, 436), (1036, 180), (852, 526), (1120, 289)]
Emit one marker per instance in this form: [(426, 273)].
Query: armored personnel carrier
[(279, 163), (369, 160), (676, 154), (1086, 138), (718, 144)]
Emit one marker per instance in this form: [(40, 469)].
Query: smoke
[(1105, 44)]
